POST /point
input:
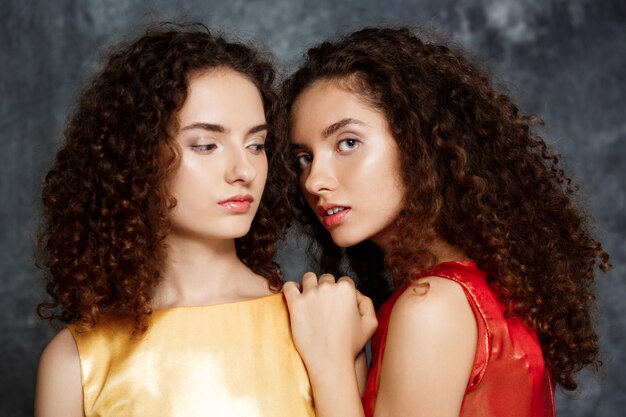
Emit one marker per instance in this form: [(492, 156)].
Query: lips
[(237, 204), (332, 214)]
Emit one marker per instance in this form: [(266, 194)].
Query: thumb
[(367, 312)]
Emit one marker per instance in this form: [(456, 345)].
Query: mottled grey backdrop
[(564, 60)]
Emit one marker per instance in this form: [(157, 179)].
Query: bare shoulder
[(430, 348), (432, 322), (432, 301), (59, 386), (62, 348), (60, 358)]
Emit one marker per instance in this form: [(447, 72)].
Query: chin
[(227, 232), (238, 233), (345, 241)]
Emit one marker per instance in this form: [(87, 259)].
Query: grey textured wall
[(564, 60)]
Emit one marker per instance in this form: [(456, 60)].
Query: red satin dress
[(509, 377)]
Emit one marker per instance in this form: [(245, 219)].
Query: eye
[(257, 148), (345, 145), (204, 149), (304, 159)]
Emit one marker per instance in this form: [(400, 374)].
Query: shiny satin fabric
[(509, 377), (234, 359)]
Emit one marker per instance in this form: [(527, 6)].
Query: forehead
[(219, 90), (326, 102), (323, 91), (219, 79)]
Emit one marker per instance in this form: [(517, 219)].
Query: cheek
[(192, 179), (363, 174), (380, 178), (177, 183), (262, 170)]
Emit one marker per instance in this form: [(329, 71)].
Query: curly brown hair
[(105, 200), (477, 175)]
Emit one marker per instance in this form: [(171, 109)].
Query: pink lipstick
[(332, 214), (238, 204)]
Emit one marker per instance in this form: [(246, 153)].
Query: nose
[(240, 167), (320, 178)]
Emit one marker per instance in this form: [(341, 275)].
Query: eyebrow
[(338, 125), (211, 127), (330, 130), (205, 126), (259, 128)]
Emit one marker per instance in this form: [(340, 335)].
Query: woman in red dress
[(457, 221)]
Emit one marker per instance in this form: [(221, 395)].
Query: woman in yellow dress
[(160, 215)]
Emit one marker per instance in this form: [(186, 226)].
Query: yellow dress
[(235, 359)]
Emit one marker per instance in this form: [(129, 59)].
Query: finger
[(326, 279), (346, 280), (292, 283), (309, 281), (291, 290), (369, 321)]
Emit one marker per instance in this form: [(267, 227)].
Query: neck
[(440, 248), (445, 252), (205, 272)]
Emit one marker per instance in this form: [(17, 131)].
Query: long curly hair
[(105, 200), (477, 175)]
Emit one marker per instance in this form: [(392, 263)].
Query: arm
[(59, 390), (429, 352), (331, 322)]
